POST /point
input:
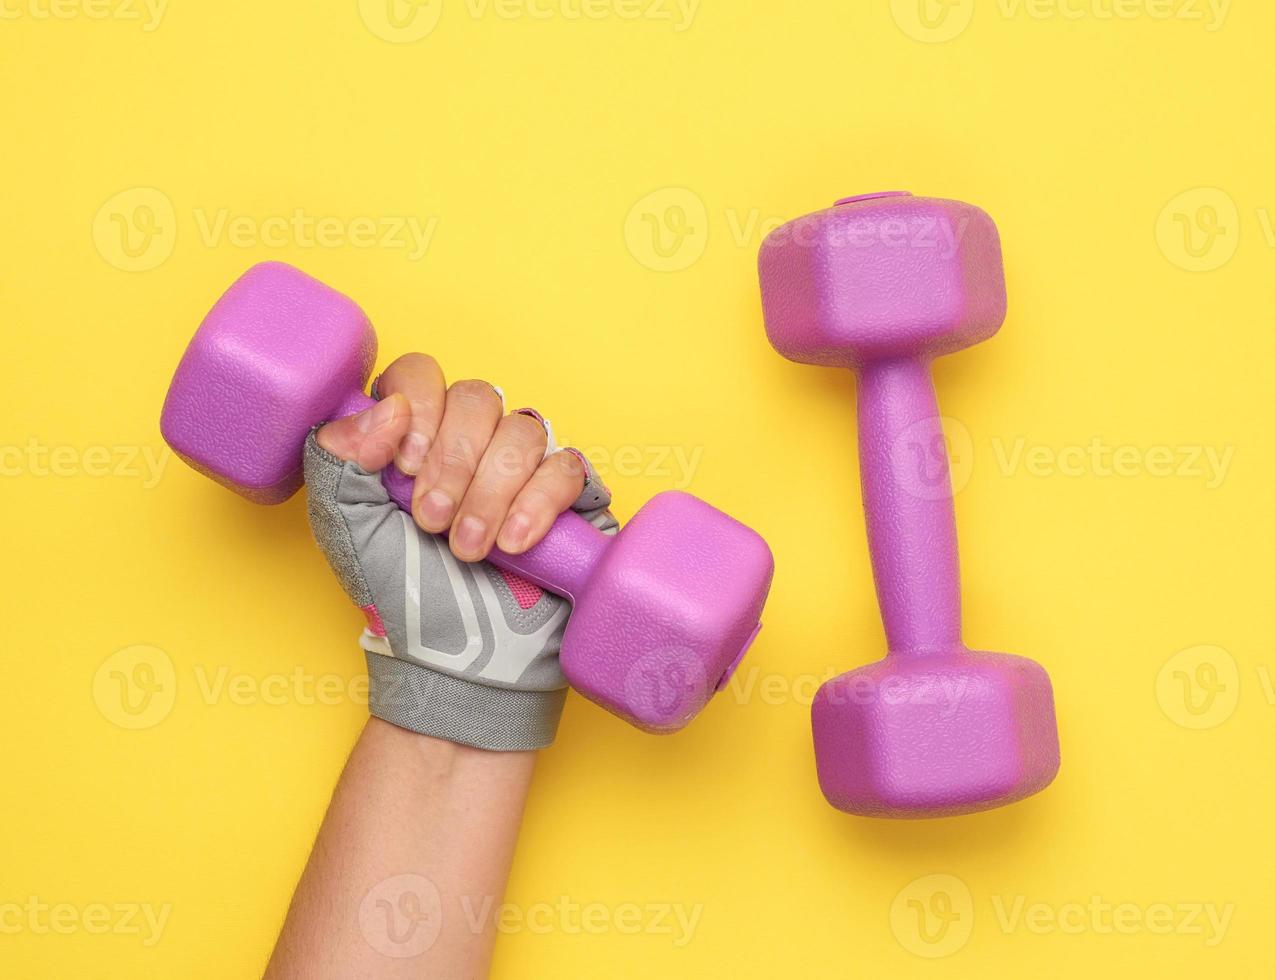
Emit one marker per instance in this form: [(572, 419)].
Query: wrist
[(445, 707), (437, 755)]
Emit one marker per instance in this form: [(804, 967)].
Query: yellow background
[(1127, 160)]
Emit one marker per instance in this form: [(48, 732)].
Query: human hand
[(481, 475), (457, 649)]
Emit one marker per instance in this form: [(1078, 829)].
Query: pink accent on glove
[(374, 619), (525, 594)]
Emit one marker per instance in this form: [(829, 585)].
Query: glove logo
[(417, 649), (512, 652)]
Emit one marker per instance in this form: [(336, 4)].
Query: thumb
[(371, 437)]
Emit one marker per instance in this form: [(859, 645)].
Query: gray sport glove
[(464, 652)]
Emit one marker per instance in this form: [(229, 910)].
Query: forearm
[(414, 850)]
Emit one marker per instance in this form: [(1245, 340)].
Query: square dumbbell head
[(935, 735), (277, 355), (882, 275), (671, 608)]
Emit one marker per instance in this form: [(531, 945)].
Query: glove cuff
[(429, 702)]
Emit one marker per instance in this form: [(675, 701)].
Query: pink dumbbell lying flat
[(662, 613), (883, 284)]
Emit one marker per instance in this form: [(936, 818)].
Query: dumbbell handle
[(907, 496), (561, 563)]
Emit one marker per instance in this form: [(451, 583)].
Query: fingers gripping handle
[(907, 496), (563, 560)]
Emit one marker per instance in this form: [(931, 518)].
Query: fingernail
[(471, 535), (412, 452), (436, 509), (514, 535), (378, 415)]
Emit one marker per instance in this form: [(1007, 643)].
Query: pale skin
[(419, 836)]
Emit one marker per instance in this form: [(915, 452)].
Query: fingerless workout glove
[(464, 652)]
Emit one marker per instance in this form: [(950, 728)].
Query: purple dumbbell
[(662, 613), (883, 284)]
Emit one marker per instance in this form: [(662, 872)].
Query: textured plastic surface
[(895, 276), (661, 613), (671, 606), (938, 734), (882, 284), (278, 353)]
